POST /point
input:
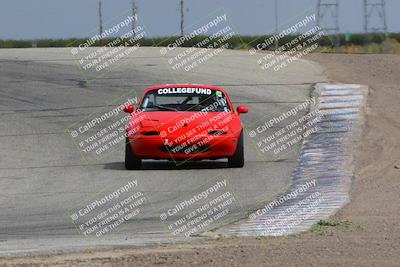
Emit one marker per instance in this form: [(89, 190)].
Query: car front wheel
[(131, 161), (237, 160)]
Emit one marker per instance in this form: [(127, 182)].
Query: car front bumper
[(208, 147)]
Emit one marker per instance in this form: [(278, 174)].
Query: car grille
[(184, 150), (151, 133)]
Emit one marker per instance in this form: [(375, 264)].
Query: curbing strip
[(321, 181)]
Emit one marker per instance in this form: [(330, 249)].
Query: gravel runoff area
[(365, 233)]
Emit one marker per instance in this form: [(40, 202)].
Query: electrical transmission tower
[(328, 18), (375, 16), (100, 19), (182, 17)]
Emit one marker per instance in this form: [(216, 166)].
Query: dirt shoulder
[(368, 229)]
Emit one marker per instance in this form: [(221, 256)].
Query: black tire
[(131, 161), (237, 160)]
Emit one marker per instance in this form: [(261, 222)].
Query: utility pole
[(328, 18), (276, 24), (100, 20), (134, 13), (182, 17)]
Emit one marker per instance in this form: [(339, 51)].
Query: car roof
[(184, 86)]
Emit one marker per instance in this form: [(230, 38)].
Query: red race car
[(184, 122)]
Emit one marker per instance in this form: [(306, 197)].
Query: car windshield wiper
[(164, 107)]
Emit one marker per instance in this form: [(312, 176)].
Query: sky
[(35, 19)]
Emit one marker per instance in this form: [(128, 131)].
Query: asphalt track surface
[(44, 177)]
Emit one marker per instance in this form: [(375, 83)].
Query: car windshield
[(185, 99)]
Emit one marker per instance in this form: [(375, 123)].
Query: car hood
[(178, 122)]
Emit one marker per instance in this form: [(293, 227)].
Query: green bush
[(235, 42)]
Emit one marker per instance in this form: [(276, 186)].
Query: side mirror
[(242, 109), (129, 109)]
